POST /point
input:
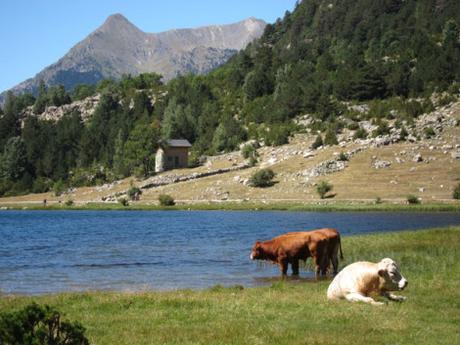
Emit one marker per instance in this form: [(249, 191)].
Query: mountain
[(118, 47)]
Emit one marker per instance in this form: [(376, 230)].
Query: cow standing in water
[(322, 245)]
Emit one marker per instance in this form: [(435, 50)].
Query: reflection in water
[(54, 251)]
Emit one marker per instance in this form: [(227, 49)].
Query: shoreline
[(345, 206)]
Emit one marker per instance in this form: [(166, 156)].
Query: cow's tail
[(340, 246)]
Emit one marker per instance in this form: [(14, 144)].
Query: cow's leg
[(283, 263), (318, 264), (357, 297), (321, 262), (335, 259), (393, 297), (325, 264), (295, 267)]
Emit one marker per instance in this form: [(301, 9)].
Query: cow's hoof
[(378, 303)]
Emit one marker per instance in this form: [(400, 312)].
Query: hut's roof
[(178, 143)]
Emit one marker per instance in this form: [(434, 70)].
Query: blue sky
[(36, 33)]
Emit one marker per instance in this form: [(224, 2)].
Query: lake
[(55, 251)]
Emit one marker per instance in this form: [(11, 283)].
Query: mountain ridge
[(119, 47)]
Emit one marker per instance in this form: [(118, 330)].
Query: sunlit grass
[(287, 313)]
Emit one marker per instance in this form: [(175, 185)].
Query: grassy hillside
[(292, 312), (432, 180)]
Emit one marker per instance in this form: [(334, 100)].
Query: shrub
[(40, 325), (134, 192), (278, 135), (360, 134), (342, 157), (353, 126), (330, 138), (59, 187), (403, 134), (456, 193), (413, 200), (429, 132), (69, 202), (323, 188), (194, 159), (166, 200), (382, 129), (318, 142), (378, 200), (445, 100), (247, 151), (262, 178), (123, 202)]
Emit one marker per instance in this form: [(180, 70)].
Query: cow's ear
[(258, 242), (381, 272)]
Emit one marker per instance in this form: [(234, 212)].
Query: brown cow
[(333, 245), (322, 245)]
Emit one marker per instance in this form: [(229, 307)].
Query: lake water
[(55, 251)]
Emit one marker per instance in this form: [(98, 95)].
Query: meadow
[(286, 312)]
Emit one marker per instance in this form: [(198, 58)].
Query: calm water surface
[(54, 251)]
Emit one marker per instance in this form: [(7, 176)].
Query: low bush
[(123, 202), (166, 200), (318, 142), (39, 325), (323, 188), (382, 129), (413, 200), (249, 152), (360, 134), (69, 202), (278, 135), (353, 126), (403, 134), (456, 193), (330, 138), (343, 157), (262, 178), (134, 193), (429, 132), (59, 188)]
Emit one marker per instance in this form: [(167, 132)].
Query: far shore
[(272, 205)]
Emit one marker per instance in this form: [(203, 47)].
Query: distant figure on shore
[(44, 202)]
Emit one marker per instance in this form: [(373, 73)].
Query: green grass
[(286, 312), (257, 206)]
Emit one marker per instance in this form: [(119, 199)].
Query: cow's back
[(294, 245)]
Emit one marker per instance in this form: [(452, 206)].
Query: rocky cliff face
[(118, 47)]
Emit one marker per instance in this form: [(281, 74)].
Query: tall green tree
[(141, 146), (13, 161)]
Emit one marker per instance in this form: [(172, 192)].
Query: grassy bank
[(254, 206), (286, 312)]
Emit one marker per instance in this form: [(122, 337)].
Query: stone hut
[(172, 154)]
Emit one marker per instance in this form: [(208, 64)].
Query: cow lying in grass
[(322, 245), (357, 281)]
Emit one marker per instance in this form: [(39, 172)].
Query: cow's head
[(257, 252), (392, 278)]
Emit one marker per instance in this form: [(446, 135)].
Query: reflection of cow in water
[(322, 245)]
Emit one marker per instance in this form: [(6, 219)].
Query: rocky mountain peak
[(118, 47), (116, 23)]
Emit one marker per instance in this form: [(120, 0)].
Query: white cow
[(356, 281)]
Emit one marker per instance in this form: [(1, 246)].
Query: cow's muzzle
[(402, 284)]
